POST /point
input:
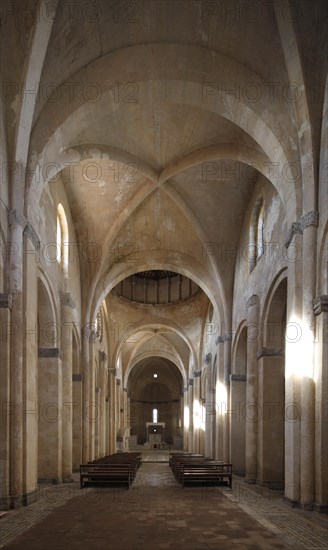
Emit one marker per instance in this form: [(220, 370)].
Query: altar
[(155, 435)]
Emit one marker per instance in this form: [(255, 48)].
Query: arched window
[(59, 240), (62, 239), (155, 416), (99, 325), (256, 233), (260, 233)]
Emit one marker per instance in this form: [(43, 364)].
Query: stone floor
[(155, 456), (156, 513)]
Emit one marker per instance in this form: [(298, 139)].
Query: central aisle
[(154, 513), (155, 475)]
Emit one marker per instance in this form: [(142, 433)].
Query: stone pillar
[(227, 371), (86, 398), (251, 389), (118, 424), (300, 485), (102, 403), (107, 434), (67, 306), (309, 224), (220, 401), (293, 353), (213, 423), (191, 415), (321, 425), (112, 409), (77, 420), (181, 441), (185, 429), (95, 442), (126, 417), (93, 397), (5, 319), (17, 224), (196, 398), (30, 389), (209, 412)]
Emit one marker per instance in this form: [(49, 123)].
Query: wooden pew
[(208, 473), (118, 473), (195, 463), (176, 460), (135, 461), (173, 457), (116, 468)]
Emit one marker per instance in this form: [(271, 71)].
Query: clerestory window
[(256, 233)]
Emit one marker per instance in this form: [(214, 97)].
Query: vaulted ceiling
[(160, 118)]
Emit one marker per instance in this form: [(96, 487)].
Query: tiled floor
[(156, 513)]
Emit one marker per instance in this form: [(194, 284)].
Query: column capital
[(309, 219), (50, 353), (223, 339), (6, 301), (208, 358), (252, 301), (197, 373), (238, 377), (270, 352), (320, 304), (16, 218), (66, 300), (306, 220), (103, 356), (31, 233), (112, 372), (89, 335)]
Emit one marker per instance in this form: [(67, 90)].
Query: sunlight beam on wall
[(299, 349), (186, 422)]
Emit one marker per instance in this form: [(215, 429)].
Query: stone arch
[(141, 347), (182, 90), (163, 393), (33, 70), (191, 269), (149, 354), (295, 70), (155, 327)]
